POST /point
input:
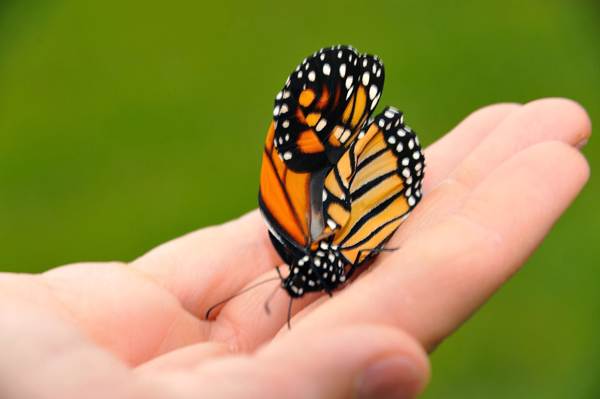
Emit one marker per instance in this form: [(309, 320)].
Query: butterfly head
[(322, 269)]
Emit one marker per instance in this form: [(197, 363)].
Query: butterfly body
[(320, 269), (335, 185)]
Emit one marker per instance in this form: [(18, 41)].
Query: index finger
[(205, 266)]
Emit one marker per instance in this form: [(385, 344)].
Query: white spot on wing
[(349, 82), (365, 78), (322, 123), (375, 100), (373, 91), (345, 135), (343, 70), (349, 93)]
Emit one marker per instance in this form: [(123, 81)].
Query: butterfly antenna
[(270, 297), (207, 314)]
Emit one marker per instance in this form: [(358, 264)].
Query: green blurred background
[(125, 124)]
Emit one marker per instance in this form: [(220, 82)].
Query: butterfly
[(335, 184)]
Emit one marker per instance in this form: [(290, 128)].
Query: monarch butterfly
[(334, 185)]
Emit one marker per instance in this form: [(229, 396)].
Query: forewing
[(323, 105), (284, 200)]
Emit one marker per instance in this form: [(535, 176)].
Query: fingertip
[(578, 166), (565, 159), (565, 112)]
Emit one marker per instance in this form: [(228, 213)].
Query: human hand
[(493, 188)]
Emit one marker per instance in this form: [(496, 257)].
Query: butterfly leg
[(279, 273), (266, 305), (373, 251), (289, 314), (356, 263)]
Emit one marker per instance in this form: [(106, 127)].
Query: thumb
[(357, 361)]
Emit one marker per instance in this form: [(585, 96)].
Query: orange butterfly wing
[(323, 105), (375, 184), (284, 196)]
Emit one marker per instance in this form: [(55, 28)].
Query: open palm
[(494, 186)]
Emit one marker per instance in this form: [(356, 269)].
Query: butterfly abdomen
[(323, 269)]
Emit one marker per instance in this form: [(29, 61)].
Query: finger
[(208, 265), (442, 275), (446, 153), (538, 121), (358, 361), (118, 308), (43, 357)]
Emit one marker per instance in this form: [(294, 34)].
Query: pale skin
[(494, 187)]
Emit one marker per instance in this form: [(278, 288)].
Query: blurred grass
[(125, 124)]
